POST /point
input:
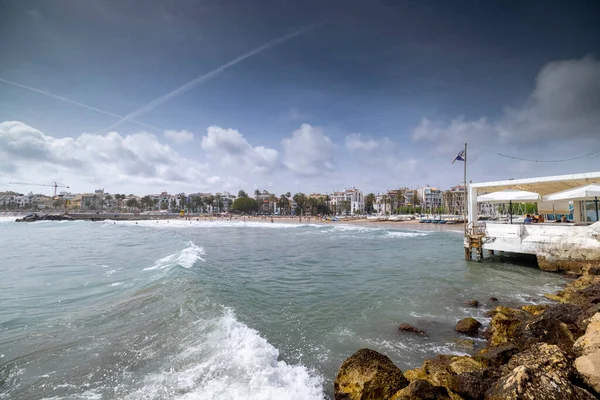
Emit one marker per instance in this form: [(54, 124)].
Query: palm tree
[(108, 198)]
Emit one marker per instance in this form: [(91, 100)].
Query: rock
[(472, 303), (44, 217), (570, 294), (441, 370), (505, 323), (567, 313), (548, 330), (468, 326), (587, 317), (461, 364), (587, 348), (368, 375), (472, 385), (540, 373), (493, 299), (467, 344), (409, 328), (496, 356), (421, 390), (535, 309)]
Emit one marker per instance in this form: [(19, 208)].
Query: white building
[(350, 201)]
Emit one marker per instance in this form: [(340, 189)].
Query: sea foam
[(230, 361), (185, 258)]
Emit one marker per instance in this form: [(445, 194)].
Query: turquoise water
[(228, 310)]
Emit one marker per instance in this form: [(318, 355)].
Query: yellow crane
[(55, 185)]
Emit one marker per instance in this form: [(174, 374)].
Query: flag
[(459, 157)]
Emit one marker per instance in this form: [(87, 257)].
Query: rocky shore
[(44, 217), (533, 353)]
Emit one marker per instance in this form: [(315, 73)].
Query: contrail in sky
[(77, 103), (189, 85)]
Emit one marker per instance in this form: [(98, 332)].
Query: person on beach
[(528, 219)]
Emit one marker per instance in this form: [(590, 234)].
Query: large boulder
[(587, 348), (540, 373), (505, 324), (422, 390), (441, 371), (368, 375), (468, 326), (570, 294), (496, 356), (474, 384), (404, 327), (548, 330), (567, 313)]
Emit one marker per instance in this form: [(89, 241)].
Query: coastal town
[(351, 201)]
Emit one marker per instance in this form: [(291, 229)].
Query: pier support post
[(467, 254)]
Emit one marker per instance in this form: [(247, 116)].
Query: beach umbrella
[(509, 195), (581, 193)]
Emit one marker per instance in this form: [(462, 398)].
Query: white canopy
[(587, 192), (509, 195)]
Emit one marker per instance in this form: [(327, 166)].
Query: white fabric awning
[(509, 195), (587, 192)]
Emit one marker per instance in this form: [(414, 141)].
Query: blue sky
[(378, 94)]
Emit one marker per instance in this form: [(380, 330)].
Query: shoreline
[(542, 351)]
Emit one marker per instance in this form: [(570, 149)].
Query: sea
[(232, 309)]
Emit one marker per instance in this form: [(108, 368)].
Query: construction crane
[(56, 185)]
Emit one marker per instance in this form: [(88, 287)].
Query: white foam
[(185, 258), (6, 220), (396, 234), (231, 362)]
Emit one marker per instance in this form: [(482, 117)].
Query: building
[(455, 200), (570, 247), (93, 201), (224, 201), (350, 201), (266, 202), (430, 197)]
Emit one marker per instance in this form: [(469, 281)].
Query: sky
[(315, 96)]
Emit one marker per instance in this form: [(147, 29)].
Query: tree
[(244, 205), (369, 201), (300, 199), (210, 200), (283, 204), (242, 193), (146, 201), (132, 203), (108, 199)]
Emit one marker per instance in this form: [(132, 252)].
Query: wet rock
[(472, 303), (409, 328), (468, 326), (466, 344), (540, 373), (44, 217), (422, 390), (587, 348), (493, 299), (536, 309), (570, 294), (496, 356), (505, 323), (368, 375)]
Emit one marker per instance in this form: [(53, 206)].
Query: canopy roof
[(587, 192), (505, 196), (544, 185)]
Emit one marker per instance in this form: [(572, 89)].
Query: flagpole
[(466, 191)]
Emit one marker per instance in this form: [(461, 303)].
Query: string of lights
[(540, 161)]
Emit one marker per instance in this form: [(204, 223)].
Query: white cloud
[(308, 151), (230, 148), (355, 141), (87, 161), (564, 104), (179, 136)]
